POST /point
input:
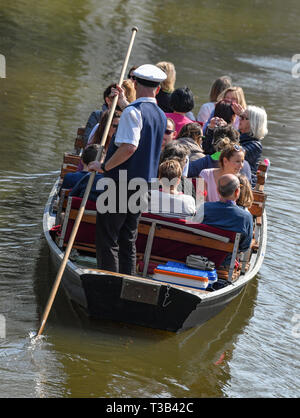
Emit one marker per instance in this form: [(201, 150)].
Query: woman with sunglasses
[(253, 128), (97, 133), (170, 133)]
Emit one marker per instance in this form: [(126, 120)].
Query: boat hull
[(142, 301)]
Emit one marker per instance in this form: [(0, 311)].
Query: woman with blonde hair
[(218, 86), (167, 86)]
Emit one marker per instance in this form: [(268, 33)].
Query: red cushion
[(86, 232), (179, 250)]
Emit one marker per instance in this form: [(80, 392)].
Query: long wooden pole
[(86, 194)]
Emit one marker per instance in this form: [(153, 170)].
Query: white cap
[(150, 72)]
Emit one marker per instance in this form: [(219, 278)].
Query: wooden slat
[(259, 196), (79, 142), (256, 209), (88, 216), (187, 238), (71, 159)]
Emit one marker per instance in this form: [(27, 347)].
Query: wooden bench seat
[(157, 237)]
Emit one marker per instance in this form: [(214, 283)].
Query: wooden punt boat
[(145, 299)]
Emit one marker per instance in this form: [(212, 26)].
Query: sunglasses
[(115, 125), (132, 77), (168, 131)]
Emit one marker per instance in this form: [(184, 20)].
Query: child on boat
[(169, 201)]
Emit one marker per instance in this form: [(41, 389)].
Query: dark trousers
[(116, 234)]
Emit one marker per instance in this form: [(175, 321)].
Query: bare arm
[(122, 154)]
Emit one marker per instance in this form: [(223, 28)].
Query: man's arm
[(122, 154)]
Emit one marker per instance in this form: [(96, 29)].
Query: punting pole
[(86, 194)]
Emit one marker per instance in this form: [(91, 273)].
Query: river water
[(60, 55)]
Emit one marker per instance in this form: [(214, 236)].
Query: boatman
[(136, 148)]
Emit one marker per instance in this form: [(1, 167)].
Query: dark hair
[(101, 127), (89, 154), (224, 110), (175, 151), (182, 100), (131, 69), (192, 130), (227, 131), (107, 91)]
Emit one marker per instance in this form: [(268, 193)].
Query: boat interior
[(161, 240)]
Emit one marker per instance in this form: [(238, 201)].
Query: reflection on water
[(136, 361), (59, 59)]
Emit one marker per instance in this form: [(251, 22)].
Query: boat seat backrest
[(174, 238), (258, 204)]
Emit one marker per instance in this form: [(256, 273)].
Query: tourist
[(223, 115), (108, 96), (170, 133), (98, 130), (191, 135), (222, 136), (133, 153), (225, 213), (236, 97), (246, 198), (169, 201), (219, 85), (88, 155), (230, 162), (176, 150), (253, 128), (167, 86), (181, 101)]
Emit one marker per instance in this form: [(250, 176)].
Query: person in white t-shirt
[(219, 85), (168, 201)]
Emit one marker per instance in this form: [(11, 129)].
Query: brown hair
[(191, 130), (219, 85), (229, 152), (246, 195), (170, 169), (101, 127)]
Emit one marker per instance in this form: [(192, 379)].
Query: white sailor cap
[(150, 73)]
